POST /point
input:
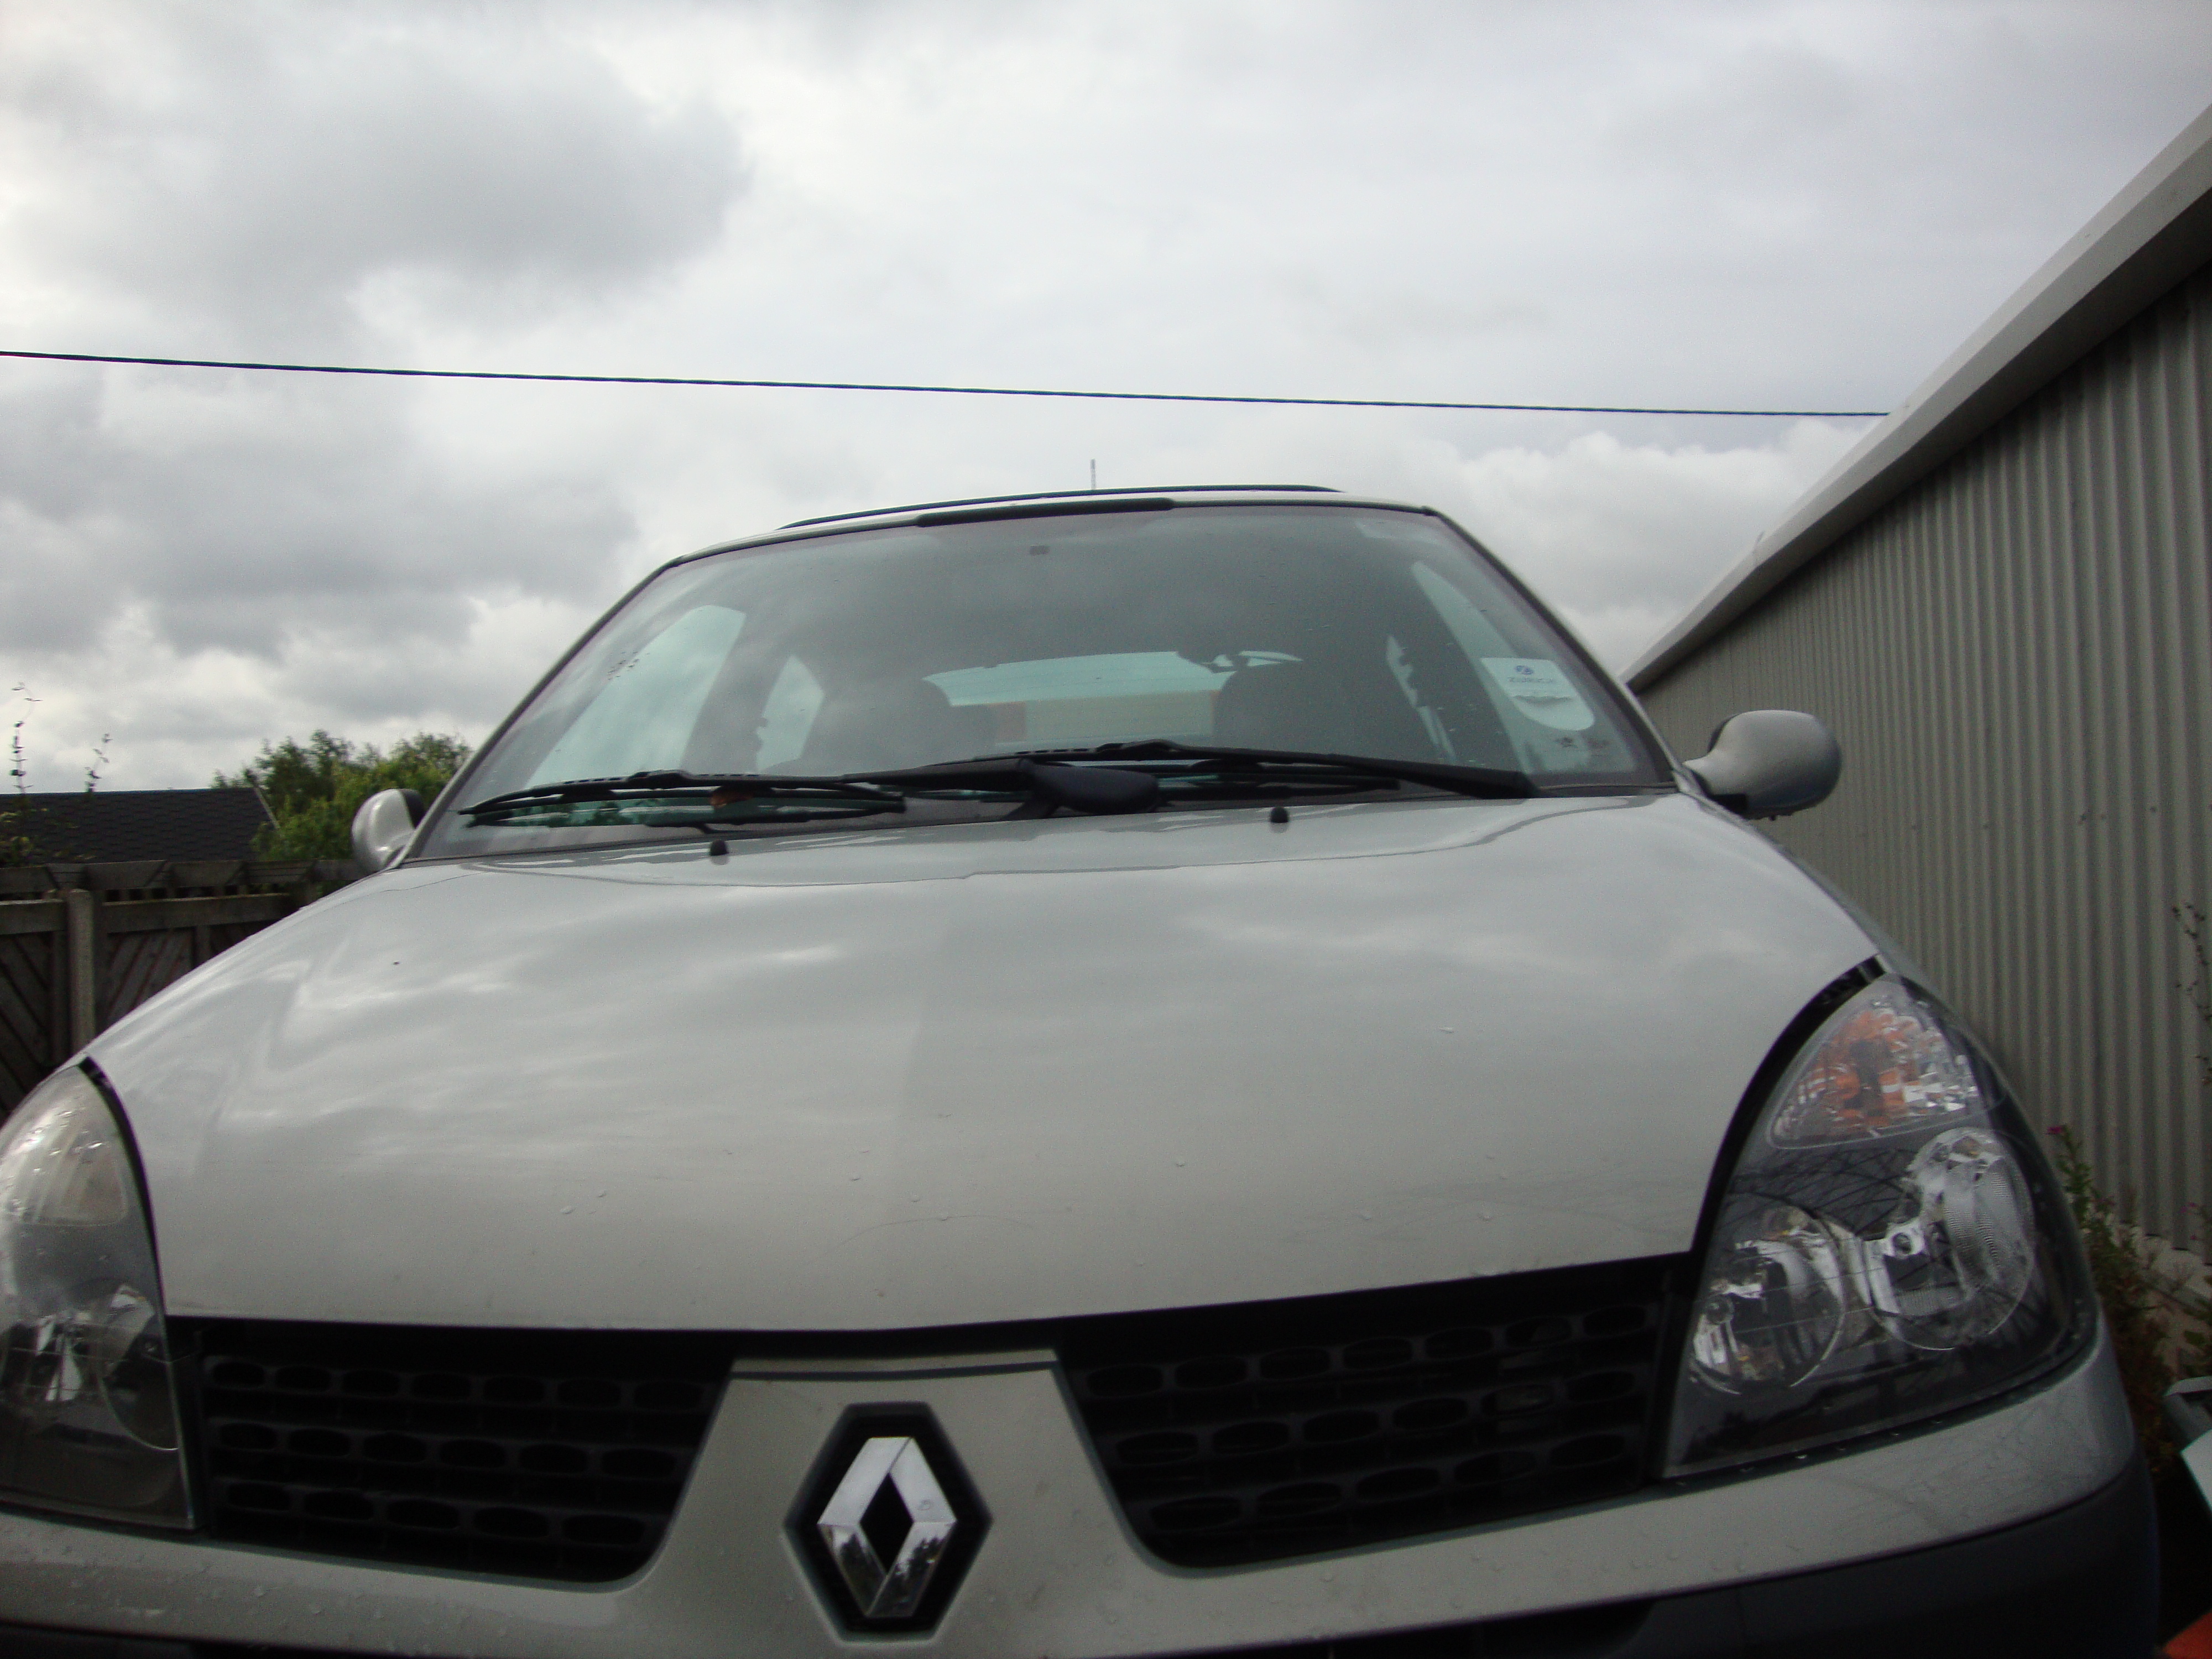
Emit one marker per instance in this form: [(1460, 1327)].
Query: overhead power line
[(944, 391)]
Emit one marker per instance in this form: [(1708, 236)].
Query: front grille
[(542, 1454), (1229, 1434), (1281, 1429)]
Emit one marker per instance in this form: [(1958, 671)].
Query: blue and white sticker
[(1542, 691)]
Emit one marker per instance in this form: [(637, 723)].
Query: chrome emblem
[(897, 1527), (890, 1479)]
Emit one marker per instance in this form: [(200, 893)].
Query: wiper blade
[(1486, 782), (1095, 789), (738, 787), (1047, 778)]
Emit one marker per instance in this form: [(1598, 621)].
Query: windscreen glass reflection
[(1359, 632)]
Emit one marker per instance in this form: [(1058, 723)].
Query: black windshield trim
[(794, 537), (1047, 510), (1070, 495)]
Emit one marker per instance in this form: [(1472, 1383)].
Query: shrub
[(2123, 1265), (313, 789)]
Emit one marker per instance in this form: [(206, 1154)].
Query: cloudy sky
[(1710, 203)]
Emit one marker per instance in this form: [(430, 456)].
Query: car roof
[(1071, 494), (1058, 503)]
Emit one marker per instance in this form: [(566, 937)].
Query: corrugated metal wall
[(2017, 657)]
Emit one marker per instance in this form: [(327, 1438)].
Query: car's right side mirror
[(1770, 763)]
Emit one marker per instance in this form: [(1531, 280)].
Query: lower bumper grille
[(1274, 1429), (541, 1455)]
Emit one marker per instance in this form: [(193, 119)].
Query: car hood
[(975, 1073)]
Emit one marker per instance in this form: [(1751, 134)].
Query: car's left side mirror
[(1770, 763), (383, 827)]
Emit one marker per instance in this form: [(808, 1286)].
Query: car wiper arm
[(1094, 789), (641, 785), (1487, 782)]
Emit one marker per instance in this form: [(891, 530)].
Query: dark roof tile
[(137, 824)]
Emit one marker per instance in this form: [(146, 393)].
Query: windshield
[(1367, 632)]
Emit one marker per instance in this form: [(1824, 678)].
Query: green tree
[(313, 789)]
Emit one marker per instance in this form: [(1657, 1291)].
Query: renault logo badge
[(889, 1522)]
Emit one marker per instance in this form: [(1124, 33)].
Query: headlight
[(1889, 1245), (88, 1410)]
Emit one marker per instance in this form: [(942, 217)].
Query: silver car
[(1141, 1073)]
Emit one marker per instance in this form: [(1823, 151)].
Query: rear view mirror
[(384, 826), (1770, 763)]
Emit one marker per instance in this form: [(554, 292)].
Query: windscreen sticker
[(1542, 691)]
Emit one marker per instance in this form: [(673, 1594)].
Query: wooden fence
[(82, 945)]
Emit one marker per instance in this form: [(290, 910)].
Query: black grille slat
[(1270, 1430), (539, 1455), (1229, 1435)]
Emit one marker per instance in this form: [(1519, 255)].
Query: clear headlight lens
[(88, 1407), (1889, 1246)]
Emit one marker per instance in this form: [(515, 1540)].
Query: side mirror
[(383, 826), (1770, 763)]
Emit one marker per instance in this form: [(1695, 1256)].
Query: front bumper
[(2028, 1515)]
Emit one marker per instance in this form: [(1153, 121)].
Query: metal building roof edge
[(2147, 238)]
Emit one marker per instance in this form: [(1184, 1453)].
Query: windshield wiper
[(1095, 789), (736, 788), (1487, 782), (1048, 779), (1045, 787)]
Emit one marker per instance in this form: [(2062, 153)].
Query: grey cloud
[(1403, 317), (247, 178), (1771, 106), (1602, 524), (239, 516), (260, 164)]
